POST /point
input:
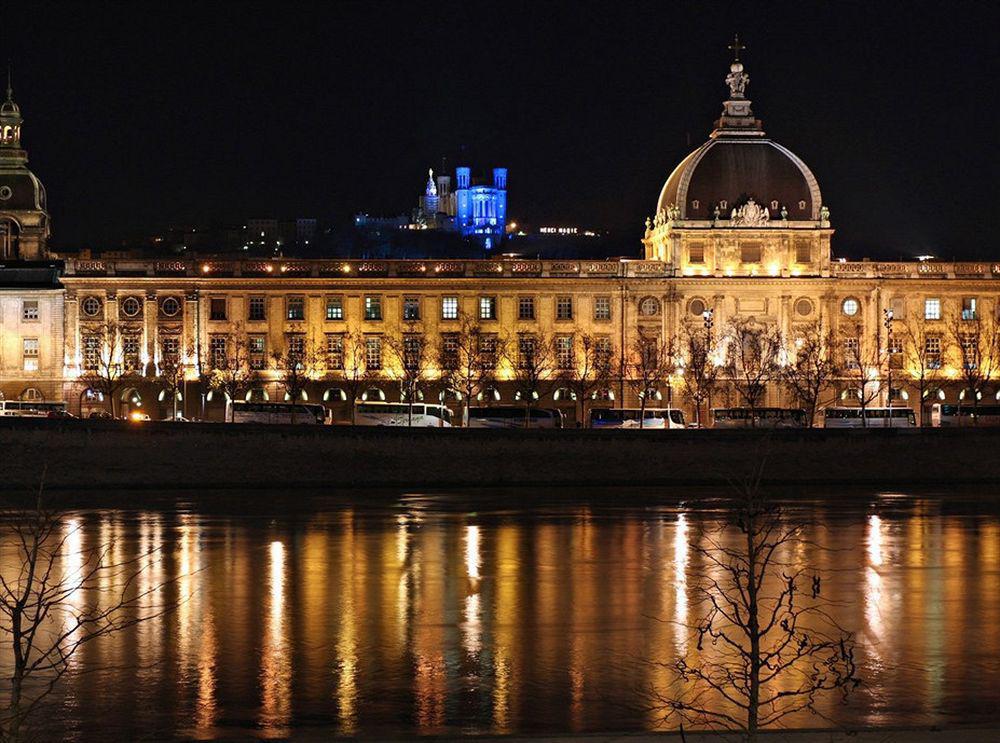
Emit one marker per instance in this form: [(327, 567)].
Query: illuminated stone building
[(740, 234)]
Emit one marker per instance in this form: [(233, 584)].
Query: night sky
[(174, 114)]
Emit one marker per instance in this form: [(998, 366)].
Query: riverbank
[(113, 454)]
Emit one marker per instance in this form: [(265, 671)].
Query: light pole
[(888, 362), (708, 318)]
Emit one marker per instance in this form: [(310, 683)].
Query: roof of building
[(738, 163)]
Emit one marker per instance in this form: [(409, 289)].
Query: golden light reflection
[(681, 557), (873, 596), (472, 624), (275, 665), (346, 665)]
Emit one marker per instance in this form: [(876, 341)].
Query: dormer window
[(723, 204), (695, 204), (774, 205), (802, 206)]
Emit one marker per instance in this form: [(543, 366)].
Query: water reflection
[(407, 622)]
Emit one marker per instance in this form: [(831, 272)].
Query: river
[(528, 611)]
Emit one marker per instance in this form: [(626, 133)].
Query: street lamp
[(888, 357)]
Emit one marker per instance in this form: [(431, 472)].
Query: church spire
[(737, 117), (10, 126)]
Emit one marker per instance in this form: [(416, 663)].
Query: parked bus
[(873, 418), (758, 418), (32, 409), (948, 415), (280, 412), (630, 417), (419, 415), (513, 416)]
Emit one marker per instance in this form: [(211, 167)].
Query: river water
[(532, 611)]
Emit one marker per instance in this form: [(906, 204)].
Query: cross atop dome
[(736, 47)]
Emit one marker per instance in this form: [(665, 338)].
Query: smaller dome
[(20, 190)]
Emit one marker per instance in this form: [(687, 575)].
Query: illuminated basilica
[(740, 234)]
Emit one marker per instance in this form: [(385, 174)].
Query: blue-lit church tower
[(481, 209)]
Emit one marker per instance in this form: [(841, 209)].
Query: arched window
[(10, 234), (32, 394)]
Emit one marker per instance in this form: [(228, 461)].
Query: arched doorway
[(10, 236)]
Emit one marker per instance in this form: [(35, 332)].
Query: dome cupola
[(739, 174)]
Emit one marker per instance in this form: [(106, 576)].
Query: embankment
[(111, 454)]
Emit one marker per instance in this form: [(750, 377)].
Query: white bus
[(280, 412), (513, 416), (32, 409), (949, 415), (873, 418), (629, 418), (419, 415), (758, 418)]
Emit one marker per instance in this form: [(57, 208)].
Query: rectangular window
[(217, 308), (525, 351), (488, 350), (932, 352), (373, 352), (335, 351), (603, 350), (411, 309), (91, 351), (525, 308), (334, 308), (30, 346), (373, 308), (564, 351), (696, 253), (895, 352), (969, 343), (932, 309), (296, 343), (602, 308), (968, 308), (130, 352), (257, 309), (449, 350), (750, 252), (803, 252), (898, 307), (170, 349), (487, 308), (449, 308), (852, 348), (29, 310), (257, 351), (564, 308), (218, 351), (296, 308), (412, 352)]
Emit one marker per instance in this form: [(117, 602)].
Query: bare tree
[(533, 362), (766, 644), (296, 366), (410, 359), (648, 366), (863, 360), (810, 372), (922, 359), (468, 359), (752, 361), (589, 371), (55, 597), (700, 370), (229, 361), (104, 367), (170, 376), (352, 368), (976, 343)]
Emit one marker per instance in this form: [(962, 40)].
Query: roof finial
[(736, 47), (10, 84)]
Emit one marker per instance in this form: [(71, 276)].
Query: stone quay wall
[(111, 454)]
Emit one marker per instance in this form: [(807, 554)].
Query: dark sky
[(142, 117)]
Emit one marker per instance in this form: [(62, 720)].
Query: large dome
[(739, 163)]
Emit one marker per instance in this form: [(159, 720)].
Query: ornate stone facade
[(740, 233)]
